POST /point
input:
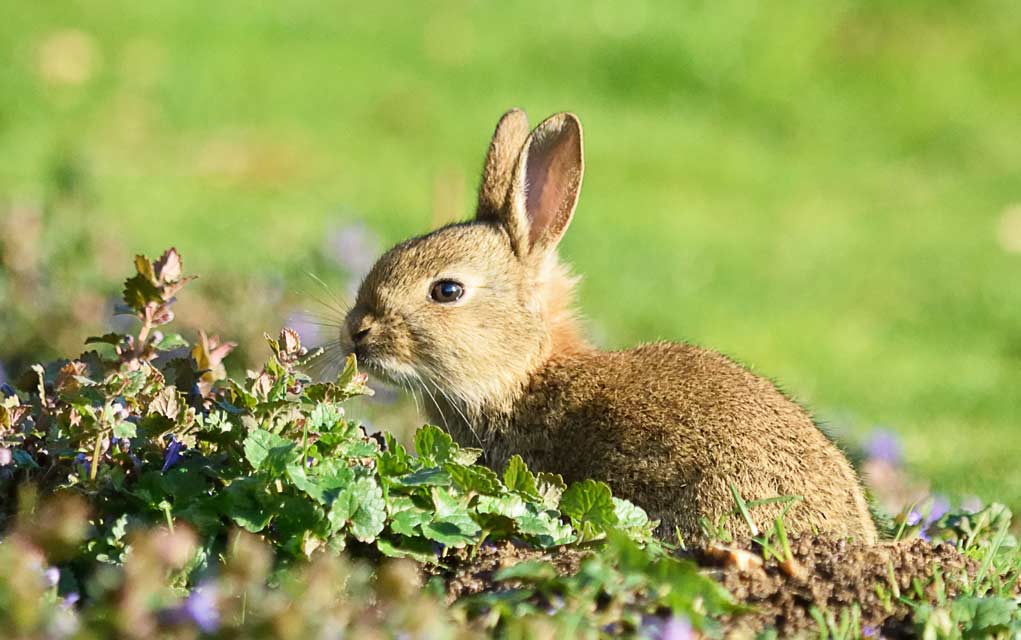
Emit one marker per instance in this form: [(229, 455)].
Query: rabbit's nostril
[(360, 335)]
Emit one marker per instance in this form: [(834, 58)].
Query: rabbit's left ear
[(546, 184)]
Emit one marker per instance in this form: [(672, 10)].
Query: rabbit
[(479, 317)]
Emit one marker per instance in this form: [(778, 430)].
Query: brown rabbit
[(478, 316)]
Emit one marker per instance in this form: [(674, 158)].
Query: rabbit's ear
[(508, 139), (547, 182)]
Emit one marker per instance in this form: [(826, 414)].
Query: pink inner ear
[(552, 182)]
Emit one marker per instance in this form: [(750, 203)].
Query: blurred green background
[(828, 191)]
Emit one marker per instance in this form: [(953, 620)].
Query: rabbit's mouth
[(386, 368)]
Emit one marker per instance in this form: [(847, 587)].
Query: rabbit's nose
[(361, 328), (359, 335)]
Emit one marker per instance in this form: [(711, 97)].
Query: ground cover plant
[(146, 492)]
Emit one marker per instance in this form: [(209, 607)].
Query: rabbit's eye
[(447, 291)]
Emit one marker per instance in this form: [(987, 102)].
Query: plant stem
[(170, 519), (95, 455)]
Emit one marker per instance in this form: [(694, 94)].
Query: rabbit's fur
[(506, 368)]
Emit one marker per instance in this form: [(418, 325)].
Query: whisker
[(467, 422), (341, 302), (453, 403), (317, 315), (333, 307), (446, 425)]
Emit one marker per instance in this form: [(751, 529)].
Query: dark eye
[(447, 291)]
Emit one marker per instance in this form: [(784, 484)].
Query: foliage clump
[(191, 502)]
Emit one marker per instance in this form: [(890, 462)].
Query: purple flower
[(52, 576), (70, 600), (200, 608), (173, 454), (868, 631), (884, 445), (940, 507), (677, 628), (83, 460)]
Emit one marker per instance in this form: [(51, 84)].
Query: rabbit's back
[(671, 426)]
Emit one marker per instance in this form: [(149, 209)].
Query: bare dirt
[(834, 575), (827, 574)]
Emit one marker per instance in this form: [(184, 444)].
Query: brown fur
[(668, 426)]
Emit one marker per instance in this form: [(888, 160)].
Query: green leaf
[(124, 430), (268, 451), (24, 459), (518, 478), (433, 445), (474, 479), (140, 291), (415, 548), (590, 506), (527, 571), (550, 487), (509, 505), (322, 482), (630, 517), (246, 502), (452, 531), (545, 527), (394, 459), (431, 477), (466, 455), (359, 509), (170, 342), (452, 525), (408, 522), (144, 268), (984, 616), (107, 338), (326, 416)]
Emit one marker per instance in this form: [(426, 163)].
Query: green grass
[(814, 188)]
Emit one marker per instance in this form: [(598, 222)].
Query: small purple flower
[(884, 445), (940, 507), (70, 600), (200, 608), (52, 576), (677, 628), (914, 517), (83, 460), (556, 603), (868, 631), (173, 454)]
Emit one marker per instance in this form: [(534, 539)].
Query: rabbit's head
[(473, 308)]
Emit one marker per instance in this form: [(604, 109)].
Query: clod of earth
[(833, 576)]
